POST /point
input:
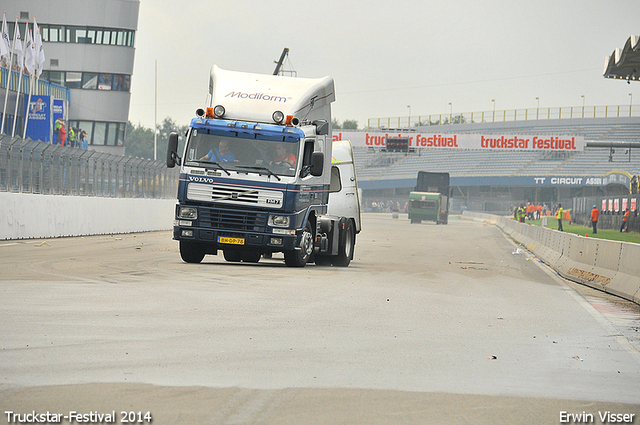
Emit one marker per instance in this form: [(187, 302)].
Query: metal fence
[(42, 87), (29, 166), (453, 118), (611, 208)]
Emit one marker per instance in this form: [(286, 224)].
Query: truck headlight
[(284, 232), (279, 220), (275, 241), (219, 111), (277, 117), (188, 212)]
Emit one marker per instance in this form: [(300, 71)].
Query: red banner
[(465, 141)]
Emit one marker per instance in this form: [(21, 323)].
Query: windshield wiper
[(269, 172), (216, 164)]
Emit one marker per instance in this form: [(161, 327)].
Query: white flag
[(4, 43), (39, 48), (18, 47), (30, 54)]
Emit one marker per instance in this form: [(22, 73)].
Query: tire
[(191, 252), (299, 257), (346, 246), (232, 255)]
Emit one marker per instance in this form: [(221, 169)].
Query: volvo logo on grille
[(234, 195)]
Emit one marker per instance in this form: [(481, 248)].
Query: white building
[(89, 48)]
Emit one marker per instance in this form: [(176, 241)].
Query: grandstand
[(494, 180)]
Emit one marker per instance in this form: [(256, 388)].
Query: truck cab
[(430, 199), (428, 206), (256, 173)]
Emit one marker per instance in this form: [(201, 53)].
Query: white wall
[(24, 216)]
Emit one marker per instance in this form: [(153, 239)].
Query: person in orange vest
[(559, 217), (595, 213), (63, 134), (530, 209), (625, 221)]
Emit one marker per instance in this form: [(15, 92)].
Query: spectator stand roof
[(624, 63)]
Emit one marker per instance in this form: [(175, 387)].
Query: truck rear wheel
[(346, 245), (299, 257), (191, 252)]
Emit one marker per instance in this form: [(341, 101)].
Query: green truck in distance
[(430, 200)]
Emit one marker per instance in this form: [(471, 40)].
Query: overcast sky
[(386, 55)]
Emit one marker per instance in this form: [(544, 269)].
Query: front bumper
[(266, 242), (224, 228)]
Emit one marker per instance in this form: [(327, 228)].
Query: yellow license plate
[(232, 241)]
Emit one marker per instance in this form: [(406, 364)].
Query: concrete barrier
[(24, 216), (629, 271), (591, 262), (609, 266)]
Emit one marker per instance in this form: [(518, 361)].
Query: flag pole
[(26, 117), (39, 65), (6, 93), (155, 116), (15, 114), (39, 58), (28, 60)]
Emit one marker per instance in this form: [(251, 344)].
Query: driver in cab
[(223, 152)]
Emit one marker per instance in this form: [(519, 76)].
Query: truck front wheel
[(299, 257), (191, 252)]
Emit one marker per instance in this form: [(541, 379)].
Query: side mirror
[(317, 163), (172, 151)]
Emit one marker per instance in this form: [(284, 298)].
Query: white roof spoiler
[(255, 97)]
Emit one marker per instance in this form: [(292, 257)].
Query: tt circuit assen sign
[(480, 141), (613, 177)]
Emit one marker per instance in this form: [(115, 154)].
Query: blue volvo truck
[(258, 174)]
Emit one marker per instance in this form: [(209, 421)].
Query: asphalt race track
[(430, 324)]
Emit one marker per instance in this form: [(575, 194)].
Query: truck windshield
[(242, 155)]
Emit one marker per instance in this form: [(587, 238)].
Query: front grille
[(235, 195), (229, 219)]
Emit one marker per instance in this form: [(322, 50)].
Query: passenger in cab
[(282, 157)]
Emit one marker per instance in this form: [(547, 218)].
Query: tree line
[(140, 139)]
